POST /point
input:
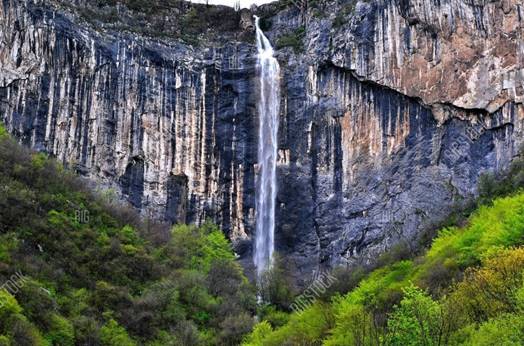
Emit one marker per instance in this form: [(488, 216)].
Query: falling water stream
[(266, 185)]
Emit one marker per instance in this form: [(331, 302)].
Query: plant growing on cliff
[(293, 40), (178, 19), (344, 14), (493, 185)]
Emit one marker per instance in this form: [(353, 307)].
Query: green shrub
[(234, 327), (8, 305), (37, 303), (492, 185), (3, 132), (259, 334), (61, 331), (276, 318), (23, 333), (293, 40), (347, 279), (308, 328), (275, 286), (215, 247), (164, 339), (87, 330), (418, 320), (8, 243), (507, 330), (491, 290), (360, 329), (112, 334)]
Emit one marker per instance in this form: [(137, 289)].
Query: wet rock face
[(387, 118)]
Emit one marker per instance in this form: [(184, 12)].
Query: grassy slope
[(92, 275)]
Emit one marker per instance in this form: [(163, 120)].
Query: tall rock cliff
[(390, 111)]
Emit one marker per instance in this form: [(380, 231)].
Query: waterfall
[(266, 186)]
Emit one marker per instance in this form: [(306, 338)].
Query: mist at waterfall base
[(268, 107)]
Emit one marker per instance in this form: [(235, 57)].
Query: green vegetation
[(85, 270), (176, 19), (293, 40), (466, 289), (148, 6), (493, 185), (95, 274), (275, 285), (344, 14), (265, 23)]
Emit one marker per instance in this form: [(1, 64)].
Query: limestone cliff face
[(466, 53), (168, 124), (388, 117)]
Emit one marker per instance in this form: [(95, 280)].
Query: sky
[(243, 3)]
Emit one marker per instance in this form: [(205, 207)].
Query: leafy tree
[(507, 330), (112, 334), (3, 132), (416, 321), (23, 333), (359, 328), (492, 289), (61, 331), (275, 286), (14, 325), (234, 327), (260, 332), (8, 305)]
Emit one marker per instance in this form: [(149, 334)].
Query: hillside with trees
[(92, 272)]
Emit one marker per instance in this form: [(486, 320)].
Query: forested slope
[(79, 268)]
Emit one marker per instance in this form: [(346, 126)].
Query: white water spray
[(266, 185)]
